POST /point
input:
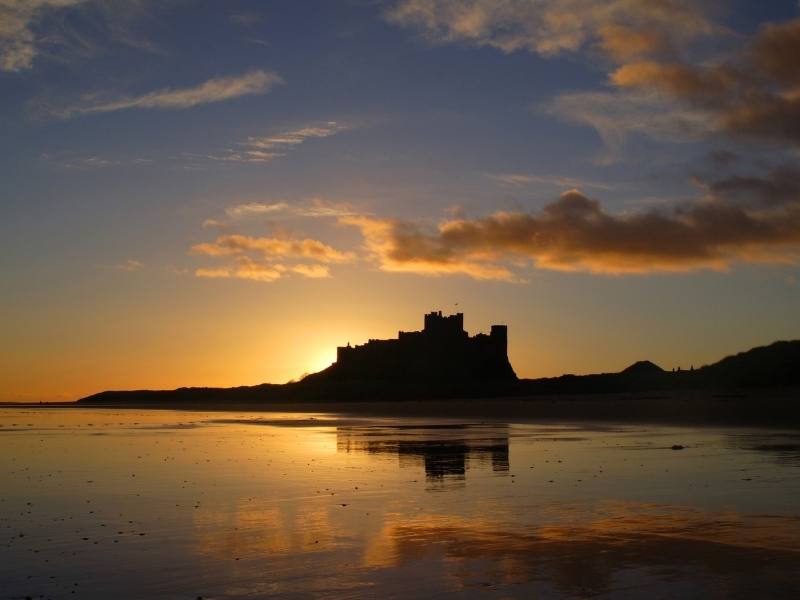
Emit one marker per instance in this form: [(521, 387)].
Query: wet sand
[(141, 503), (135, 503)]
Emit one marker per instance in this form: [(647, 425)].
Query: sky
[(218, 193)]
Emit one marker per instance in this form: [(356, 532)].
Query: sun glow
[(320, 358)]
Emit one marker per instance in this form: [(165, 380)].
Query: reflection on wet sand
[(445, 451), (602, 548), (248, 530), (627, 548), (181, 505)]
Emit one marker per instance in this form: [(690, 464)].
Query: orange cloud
[(775, 51), (575, 233), (312, 271), (233, 244), (624, 43), (401, 247), (549, 27), (754, 94), (264, 259), (703, 86), (220, 273)]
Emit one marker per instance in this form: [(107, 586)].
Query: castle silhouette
[(444, 362), (442, 351)]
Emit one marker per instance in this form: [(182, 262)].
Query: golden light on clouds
[(264, 259), (575, 233)]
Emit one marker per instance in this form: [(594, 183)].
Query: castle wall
[(442, 351)]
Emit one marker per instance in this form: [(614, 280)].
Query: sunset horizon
[(228, 213), (354, 299)]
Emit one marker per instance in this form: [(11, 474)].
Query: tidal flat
[(141, 503)]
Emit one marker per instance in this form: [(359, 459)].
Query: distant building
[(442, 351)]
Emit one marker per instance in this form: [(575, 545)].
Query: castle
[(442, 351)]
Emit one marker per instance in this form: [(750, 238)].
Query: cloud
[(312, 271), (219, 273), (246, 156), (255, 208), (740, 218), (18, 43), (574, 233), (525, 179), (246, 267), (214, 90), (624, 43), (258, 270), (32, 29), (129, 265), (265, 259), (213, 223), (753, 94), (296, 137), (321, 208), (91, 162), (235, 244), (664, 86), (780, 186), (264, 149), (550, 27), (313, 208), (402, 247), (775, 51), (618, 115)]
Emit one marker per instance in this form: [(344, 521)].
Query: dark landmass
[(443, 363), (773, 366)]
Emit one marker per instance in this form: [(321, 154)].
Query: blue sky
[(188, 188)]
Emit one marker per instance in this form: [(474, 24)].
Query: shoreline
[(770, 407)]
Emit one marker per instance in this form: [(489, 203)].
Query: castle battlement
[(443, 350)]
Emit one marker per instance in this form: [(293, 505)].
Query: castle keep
[(442, 351)]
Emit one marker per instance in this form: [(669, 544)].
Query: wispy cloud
[(526, 179), (18, 43), (255, 208), (90, 162), (245, 268), (229, 245), (34, 29), (129, 266), (313, 208), (264, 149), (218, 89), (550, 27), (618, 115), (295, 137)]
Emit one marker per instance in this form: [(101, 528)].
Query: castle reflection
[(445, 450)]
